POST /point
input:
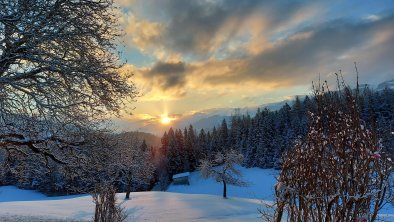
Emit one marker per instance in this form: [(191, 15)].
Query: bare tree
[(339, 172), (58, 70), (223, 169)]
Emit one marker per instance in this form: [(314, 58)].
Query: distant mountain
[(209, 122), (278, 105), (205, 119), (386, 84)]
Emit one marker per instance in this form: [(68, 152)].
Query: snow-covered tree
[(132, 163), (59, 69), (223, 169)]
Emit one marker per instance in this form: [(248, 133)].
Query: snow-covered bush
[(339, 172), (106, 209)]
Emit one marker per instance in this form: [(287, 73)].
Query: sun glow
[(165, 119)]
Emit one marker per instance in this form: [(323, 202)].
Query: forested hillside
[(265, 137)]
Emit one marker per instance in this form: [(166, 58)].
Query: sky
[(194, 55)]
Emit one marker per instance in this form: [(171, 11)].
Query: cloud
[(302, 55), (163, 81), (293, 61), (195, 25), (140, 33), (212, 53), (168, 75), (209, 28), (203, 27)]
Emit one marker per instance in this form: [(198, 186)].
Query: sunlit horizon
[(235, 54)]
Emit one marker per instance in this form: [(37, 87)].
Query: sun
[(165, 119)]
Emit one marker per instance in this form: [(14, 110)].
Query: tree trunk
[(128, 190), (224, 189)]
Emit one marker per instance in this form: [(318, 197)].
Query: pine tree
[(223, 136), (191, 144), (181, 162), (164, 144), (203, 147), (175, 163)]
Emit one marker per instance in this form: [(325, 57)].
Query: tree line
[(264, 138)]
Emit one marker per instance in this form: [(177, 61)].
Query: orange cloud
[(140, 33)]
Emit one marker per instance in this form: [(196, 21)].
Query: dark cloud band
[(168, 75)]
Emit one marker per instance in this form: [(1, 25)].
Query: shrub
[(106, 209), (339, 171)]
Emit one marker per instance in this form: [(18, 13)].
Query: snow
[(143, 206), (12, 194), (260, 185), (199, 202), (179, 175)]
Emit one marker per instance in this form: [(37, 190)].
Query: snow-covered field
[(201, 201), (144, 206), (260, 185)]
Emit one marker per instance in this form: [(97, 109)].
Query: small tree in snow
[(225, 171)]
